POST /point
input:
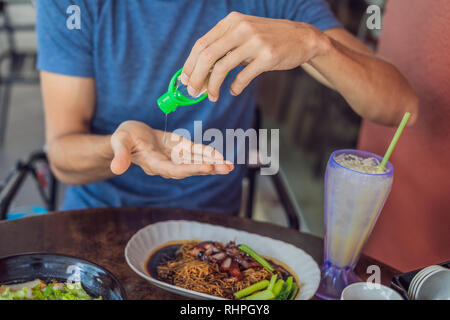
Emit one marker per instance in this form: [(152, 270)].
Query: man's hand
[(374, 88), (79, 157), (137, 143), (262, 44)]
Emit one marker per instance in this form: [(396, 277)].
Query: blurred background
[(313, 120)]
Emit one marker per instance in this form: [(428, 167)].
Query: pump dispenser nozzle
[(174, 96)]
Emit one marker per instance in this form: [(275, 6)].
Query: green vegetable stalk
[(251, 289), (278, 287), (262, 295), (266, 294), (257, 257), (275, 290), (286, 289), (294, 291), (272, 282)]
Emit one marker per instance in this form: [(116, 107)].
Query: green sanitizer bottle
[(177, 95)]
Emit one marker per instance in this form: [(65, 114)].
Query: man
[(413, 230), (100, 84)]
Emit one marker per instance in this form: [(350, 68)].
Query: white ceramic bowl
[(146, 240), (369, 291)]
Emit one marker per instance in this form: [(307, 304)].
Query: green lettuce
[(69, 291)]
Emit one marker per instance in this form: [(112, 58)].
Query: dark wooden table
[(100, 235)]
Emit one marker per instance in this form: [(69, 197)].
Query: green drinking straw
[(394, 140)]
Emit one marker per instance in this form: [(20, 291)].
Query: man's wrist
[(106, 151), (322, 47)]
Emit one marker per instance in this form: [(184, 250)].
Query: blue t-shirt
[(132, 48)]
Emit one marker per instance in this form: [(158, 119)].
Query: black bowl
[(96, 280)]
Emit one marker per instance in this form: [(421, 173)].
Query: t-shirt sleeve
[(315, 12), (62, 46)]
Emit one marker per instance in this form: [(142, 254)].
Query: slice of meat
[(219, 256), (234, 271), (226, 265), (208, 251), (215, 249), (243, 262), (233, 252), (229, 258)]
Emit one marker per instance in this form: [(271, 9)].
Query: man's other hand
[(136, 143)]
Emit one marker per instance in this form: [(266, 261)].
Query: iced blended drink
[(356, 189)]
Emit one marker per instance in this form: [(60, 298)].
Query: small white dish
[(424, 278), (417, 279), (420, 277), (436, 286), (369, 291)]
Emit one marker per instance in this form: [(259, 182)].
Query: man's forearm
[(369, 84), (81, 158)]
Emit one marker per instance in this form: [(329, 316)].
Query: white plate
[(150, 238), (435, 287), (416, 282)]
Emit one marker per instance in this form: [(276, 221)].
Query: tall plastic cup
[(353, 202)]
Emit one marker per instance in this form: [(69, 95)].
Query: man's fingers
[(159, 164), (194, 159), (181, 171), (198, 154), (201, 44), (233, 59), (186, 150), (121, 144), (242, 80), (189, 159), (208, 154), (223, 168), (207, 58)]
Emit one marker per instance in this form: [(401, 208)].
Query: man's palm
[(164, 154)]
